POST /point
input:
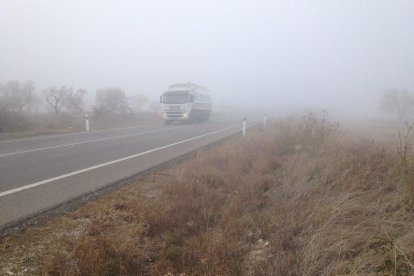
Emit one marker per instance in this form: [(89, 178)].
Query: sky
[(279, 55)]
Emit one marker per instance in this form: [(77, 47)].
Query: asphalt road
[(39, 173)]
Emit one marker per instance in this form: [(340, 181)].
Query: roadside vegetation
[(26, 111), (299, 197)]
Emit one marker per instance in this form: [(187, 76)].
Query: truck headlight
[(185, 114)]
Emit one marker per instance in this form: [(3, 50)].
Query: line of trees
[(64, 97), (19, 98)]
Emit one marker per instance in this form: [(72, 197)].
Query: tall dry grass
[(294, 198)]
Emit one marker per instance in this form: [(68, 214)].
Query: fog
[(279, 55)]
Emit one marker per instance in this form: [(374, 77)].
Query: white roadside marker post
[(264, 119), (86, 122), (244, 126)]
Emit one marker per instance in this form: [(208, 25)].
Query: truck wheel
[(191, 118)]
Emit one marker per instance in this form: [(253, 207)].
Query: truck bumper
[(175, 116)]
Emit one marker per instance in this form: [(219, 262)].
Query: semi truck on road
[(186, 102)]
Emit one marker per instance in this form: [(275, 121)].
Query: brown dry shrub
[(294, 198)]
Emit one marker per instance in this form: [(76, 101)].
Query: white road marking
[(22, 188), (84, 142), (73, 133)]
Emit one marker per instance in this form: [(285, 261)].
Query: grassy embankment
[(297, 198)]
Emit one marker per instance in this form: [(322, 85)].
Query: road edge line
[(43, 182)]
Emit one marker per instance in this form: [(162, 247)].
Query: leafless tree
[(17, 96), (112, 102), (75, 99), (57, 97), (398, 102)]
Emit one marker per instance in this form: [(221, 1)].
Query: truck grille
[(174, 114), (174, 107)]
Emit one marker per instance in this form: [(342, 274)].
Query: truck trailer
[(186, 102)]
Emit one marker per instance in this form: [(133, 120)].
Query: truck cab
[(185, 103)]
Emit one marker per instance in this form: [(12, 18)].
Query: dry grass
[(295, 198)]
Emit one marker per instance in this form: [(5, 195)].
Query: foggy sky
[(282, 54)]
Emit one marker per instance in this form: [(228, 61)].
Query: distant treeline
[(21, 105)]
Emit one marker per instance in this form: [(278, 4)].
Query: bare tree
[(112, 102), (35, 104), (75, 99), (17, 96), (57, 97), (398, 102)]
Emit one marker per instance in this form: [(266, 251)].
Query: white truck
[(185, 102)]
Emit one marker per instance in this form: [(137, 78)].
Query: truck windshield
[(175, 98)]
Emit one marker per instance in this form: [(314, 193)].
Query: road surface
[(39, 173)]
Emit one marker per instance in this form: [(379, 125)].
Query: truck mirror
[(160, 99)]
